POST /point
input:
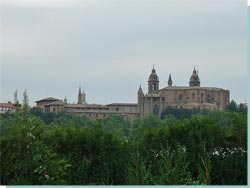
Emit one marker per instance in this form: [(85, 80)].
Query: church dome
[(194, 79), (153, 76)]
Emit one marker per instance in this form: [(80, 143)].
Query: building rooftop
[(48, 99), (85, 106), (56, 103), (188, 87), (122, 104), (7, 105)]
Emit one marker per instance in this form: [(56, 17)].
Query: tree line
[(180, 148)]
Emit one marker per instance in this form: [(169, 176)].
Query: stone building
[(55, 106), (193, 96), (43, 102), (128, 111), (153, 102)]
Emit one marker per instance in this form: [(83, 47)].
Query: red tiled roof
[(6, 105)]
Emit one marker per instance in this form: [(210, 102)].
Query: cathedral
[(155, 101), (193, 96)]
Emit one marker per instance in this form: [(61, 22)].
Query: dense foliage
[(209, 147)]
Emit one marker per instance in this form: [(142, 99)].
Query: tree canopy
[(187, 148)]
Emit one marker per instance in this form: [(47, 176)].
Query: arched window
[(154, 87), (156, 109)]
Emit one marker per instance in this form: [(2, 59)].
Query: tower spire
[(170, 82), (79, 93), (140, 90), (79, 96), (153, 70), (194, 79), (153, 81)]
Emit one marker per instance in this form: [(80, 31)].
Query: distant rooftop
[(122, 104), (56, 103), (6, 105), (85, 106), (188, 87), (48, 99)]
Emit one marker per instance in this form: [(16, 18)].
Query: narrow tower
[(81, 96), (170, 82), (140, 98), (153, 82)]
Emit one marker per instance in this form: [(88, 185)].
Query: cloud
[(106, 45)]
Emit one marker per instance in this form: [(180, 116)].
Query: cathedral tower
[(194, 79), (81, 97), (153, 82), (170, 82)]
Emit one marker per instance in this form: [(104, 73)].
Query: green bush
[(209, 147)]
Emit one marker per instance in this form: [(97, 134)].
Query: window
[(193, 96), (47, 109), (208, 98), (117, 109), (163, 99), (154, 87)]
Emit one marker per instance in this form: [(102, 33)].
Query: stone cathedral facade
[(193, 96), (155, 101)]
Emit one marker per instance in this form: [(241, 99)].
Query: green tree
[(232, 106), (58, 148)]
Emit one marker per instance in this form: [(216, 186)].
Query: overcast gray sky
[(51, 47)]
